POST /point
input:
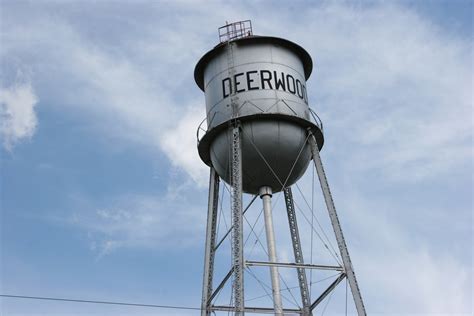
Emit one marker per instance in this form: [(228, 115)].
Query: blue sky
[(103, 195)]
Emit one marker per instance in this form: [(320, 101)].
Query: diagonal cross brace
[(331, 287)]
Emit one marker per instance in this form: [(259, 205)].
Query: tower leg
[(295, 239), (210, 242), (266, 195), (236, 205), (351, 278)]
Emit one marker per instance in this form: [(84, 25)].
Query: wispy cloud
[(394, 91), (391, 253), (129, 88), (17, 113), (386, 79), (141, 221), (390, 84), (179, 144)]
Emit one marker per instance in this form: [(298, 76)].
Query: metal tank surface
[(261, 82)]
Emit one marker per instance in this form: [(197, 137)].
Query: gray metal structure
[(295, 238), (266, 195), (260, 140), (341, 243)]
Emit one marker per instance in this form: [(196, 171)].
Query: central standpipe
[(266, 196)]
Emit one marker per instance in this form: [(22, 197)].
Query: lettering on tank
[(263, 80)]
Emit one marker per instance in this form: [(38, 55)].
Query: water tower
[(260, 138)]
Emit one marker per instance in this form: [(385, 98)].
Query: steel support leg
[(237, 236), (266, 195), (295, 239), (351, 278), (210, 242)]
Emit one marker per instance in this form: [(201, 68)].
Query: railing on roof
[(235, 30)]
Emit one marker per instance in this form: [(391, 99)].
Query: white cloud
[(179, 144), (401, 268), (405, 278), (142, 221), (17, 113), (135, 99), (393, 88), (386, 79), (394, 92)]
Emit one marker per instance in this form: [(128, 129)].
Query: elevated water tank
[(260, 82)]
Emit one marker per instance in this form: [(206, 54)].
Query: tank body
[(261, 81)]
